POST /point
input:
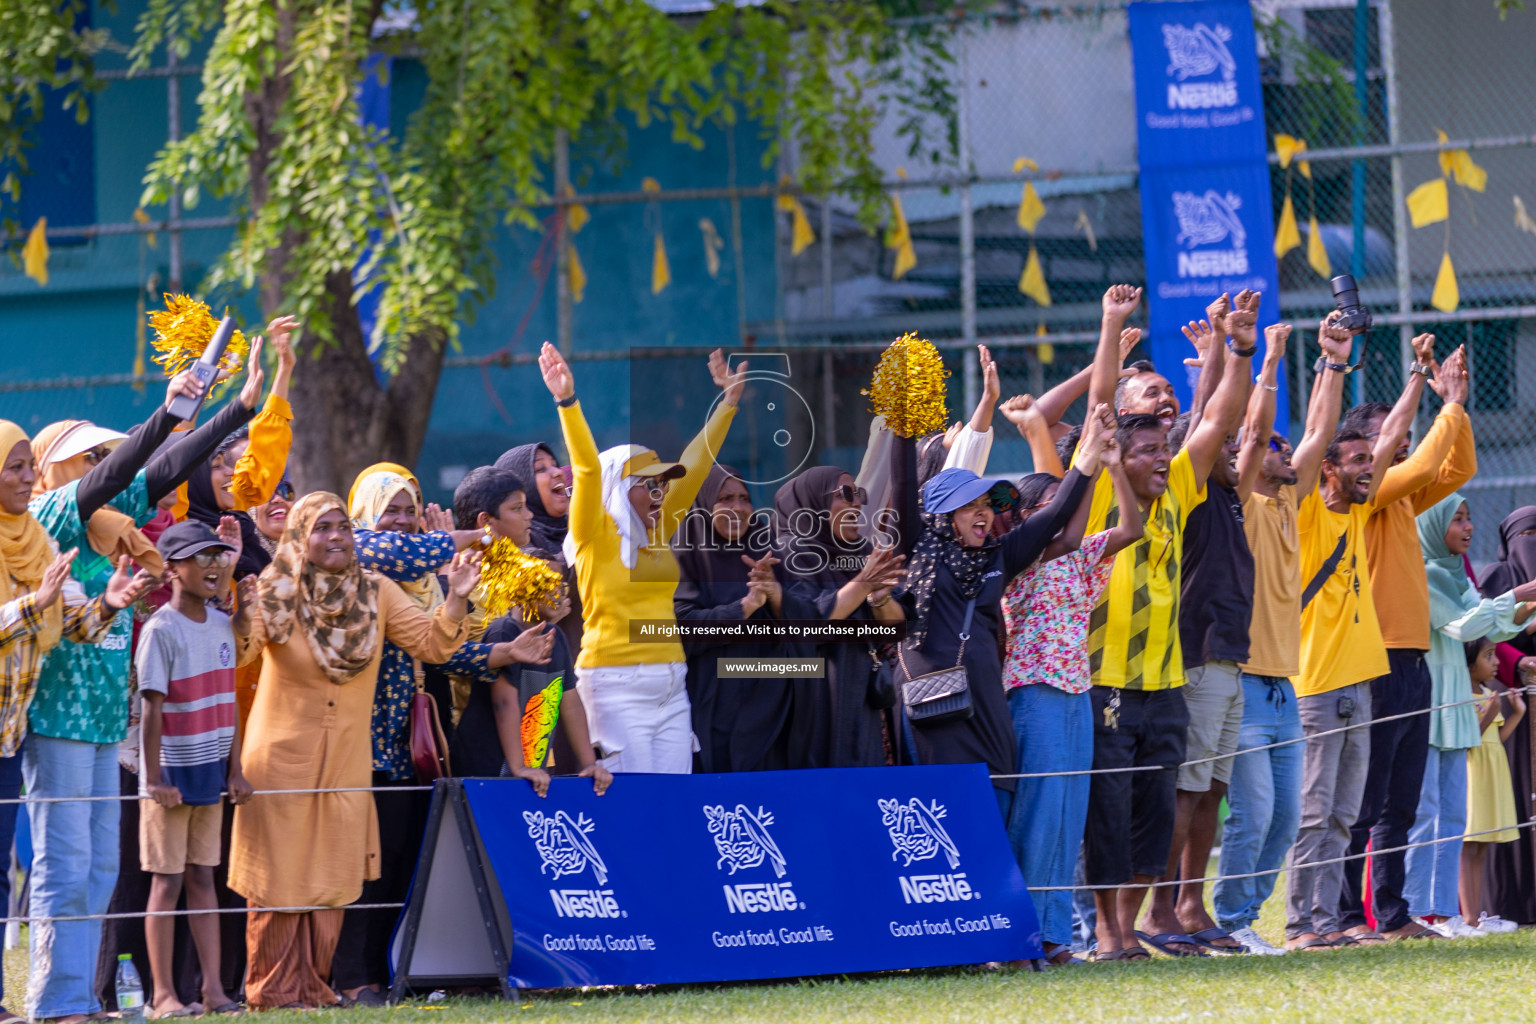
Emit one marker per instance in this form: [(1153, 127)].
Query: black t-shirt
[(1217, 602), (476, 747)]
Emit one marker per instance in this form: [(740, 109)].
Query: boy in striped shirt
[(190, 751)]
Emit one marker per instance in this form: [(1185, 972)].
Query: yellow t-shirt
[(1340, 636), (1133, 634), (1274, 632)]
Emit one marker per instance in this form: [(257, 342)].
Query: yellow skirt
[(1490, 795)]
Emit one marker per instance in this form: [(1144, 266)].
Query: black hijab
[(203, 505), (1517, 555), (548, 531), (801, 555), (931, 455), (718, 561), (937, 546)]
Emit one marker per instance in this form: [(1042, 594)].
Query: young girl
[(1491, 816)]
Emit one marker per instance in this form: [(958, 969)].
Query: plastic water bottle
[(130, 990)]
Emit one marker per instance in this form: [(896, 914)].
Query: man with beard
[(1443, 461), (1341, 652), (1133, 637), (1265, 785)]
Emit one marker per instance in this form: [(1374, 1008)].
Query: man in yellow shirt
[(1444, 460), (1341, 652), (1133, 635)]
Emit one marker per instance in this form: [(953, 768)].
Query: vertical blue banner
[(1207, 224)]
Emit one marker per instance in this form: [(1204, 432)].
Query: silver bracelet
[(1267, 387)]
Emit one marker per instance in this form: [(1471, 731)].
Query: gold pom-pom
[(908, 387), (183, 329), (510, 579)]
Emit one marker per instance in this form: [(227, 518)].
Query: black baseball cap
[(183, 540)]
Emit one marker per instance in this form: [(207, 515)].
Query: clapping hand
[(1450, 380), (882, 568), (464, 574), (123, 589), (53, 580)]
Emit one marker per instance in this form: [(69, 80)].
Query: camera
[(1354, 318)]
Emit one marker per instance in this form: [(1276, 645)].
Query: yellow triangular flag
[(1031, 209), (1317, 253), (1467, 172), (1032, 281), (578, 275), (1429, 203), (1045, 351), (801, 235), (576, 217), (1446, 296), (1287, 236), (34, 255), (899, 237), (1023, 162), (1285, 145), (661, 271)]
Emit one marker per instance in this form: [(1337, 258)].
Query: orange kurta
[(306, 732)]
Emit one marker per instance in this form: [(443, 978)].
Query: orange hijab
[(26, 551), (110, 532)]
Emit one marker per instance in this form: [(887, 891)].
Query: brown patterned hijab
[(338, 613)]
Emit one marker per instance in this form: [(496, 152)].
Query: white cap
[(81, 439)]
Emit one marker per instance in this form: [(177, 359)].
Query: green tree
[(280, 135)]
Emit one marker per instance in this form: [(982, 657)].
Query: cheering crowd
[(1168, 588)]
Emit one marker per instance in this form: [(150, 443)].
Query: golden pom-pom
[(510, 579), (184, 328), (908, 387)]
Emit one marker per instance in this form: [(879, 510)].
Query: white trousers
[(639, 716)]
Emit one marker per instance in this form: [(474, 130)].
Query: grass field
[(1466, 980)]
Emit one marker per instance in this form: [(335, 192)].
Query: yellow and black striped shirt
[(1133, 634)]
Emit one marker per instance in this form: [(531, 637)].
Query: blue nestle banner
[(677, 878), (1207, 224)]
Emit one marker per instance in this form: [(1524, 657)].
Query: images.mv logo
[(565, 848), (917, 833), (741, 839)]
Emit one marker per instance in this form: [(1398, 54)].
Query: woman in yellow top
[(626, 504)]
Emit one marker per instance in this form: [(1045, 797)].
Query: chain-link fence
[(1039, 94)]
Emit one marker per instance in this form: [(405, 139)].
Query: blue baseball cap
[(956, 488)]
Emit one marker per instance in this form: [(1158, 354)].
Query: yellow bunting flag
[(661, 271), (1446, 296), (713, 243), (1032, 281), (140, 217), (1045, 351), (576, 217), (1458, 164), (899, 238), (578, 274), (1031, 209), (1285, 147), (1085, 225), (34, 254), (1317, 253), (801, 235), (1429, 203), (1287, 235)]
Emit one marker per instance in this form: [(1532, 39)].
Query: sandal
[(229, 1009), (1165, 941), (1135, 953), (1368, 938), (1208, 937), (1422, 933), (1315, 944)]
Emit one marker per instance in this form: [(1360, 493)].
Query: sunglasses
[(95, 455), (851, 494), (655, 485), (208, 558), (284, 490)]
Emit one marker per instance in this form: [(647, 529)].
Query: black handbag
[(944, 695)]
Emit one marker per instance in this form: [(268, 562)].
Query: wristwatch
[(566, 403), (1323, 364), (1242, 353), (1420, 368)]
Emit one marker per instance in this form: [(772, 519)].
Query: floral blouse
[(404, 557), (1046, 608)]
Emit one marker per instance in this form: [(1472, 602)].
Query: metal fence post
[(1399, 208), (173, 134), (563, 306), (967, 236)]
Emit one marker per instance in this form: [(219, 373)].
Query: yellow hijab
[(26, 551), (372, 491), (110, 532)]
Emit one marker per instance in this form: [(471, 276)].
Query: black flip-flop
[(1316, 942), (229, 1009), (1208, 937), (1164, 941)]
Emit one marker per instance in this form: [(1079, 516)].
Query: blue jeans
[(10, 789), (1434, 871), (1265, 800), (1055, 734), (74, 868)]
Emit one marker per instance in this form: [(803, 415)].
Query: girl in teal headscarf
[(1457, 614)]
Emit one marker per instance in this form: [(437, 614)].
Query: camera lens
[(1345, 291)]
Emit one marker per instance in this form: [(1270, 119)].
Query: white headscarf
[(633, 534)]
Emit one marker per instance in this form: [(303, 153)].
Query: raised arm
[(112, 475), (1260, 422), (1120, 301), (261, 468), (1097, 438), (1325, 405), (1024, 413), (699, 454), (1423, 462), (1209, 338), (1053, 405), (586, 512), (1206, 441), (1460, 463), (170, 469), (1025, 542), (991, 390)]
